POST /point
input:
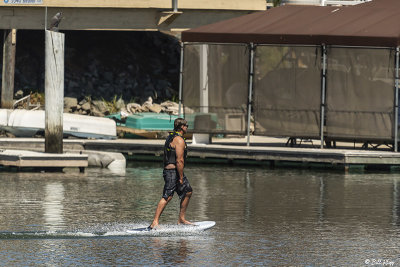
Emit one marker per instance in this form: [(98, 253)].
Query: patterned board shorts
[(171, 179)]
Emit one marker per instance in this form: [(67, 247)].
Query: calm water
[(264, 217)]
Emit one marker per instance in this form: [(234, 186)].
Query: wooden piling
[(54, 91), (7, 85)]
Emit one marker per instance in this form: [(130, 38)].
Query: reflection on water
[(53, 207), (264, 217)]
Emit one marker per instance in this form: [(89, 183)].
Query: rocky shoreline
[(103, 65), (103, 108), (99, 108)]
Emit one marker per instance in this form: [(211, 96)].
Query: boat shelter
[(321, 72)]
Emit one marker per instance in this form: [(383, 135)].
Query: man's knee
[(168, 199)]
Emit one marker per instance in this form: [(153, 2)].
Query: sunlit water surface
[(265, 217)]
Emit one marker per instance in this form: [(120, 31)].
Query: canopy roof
[(374, 23)]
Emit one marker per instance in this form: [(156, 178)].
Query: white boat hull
[(26, 123)]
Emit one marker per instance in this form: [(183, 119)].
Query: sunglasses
[(187, 125)]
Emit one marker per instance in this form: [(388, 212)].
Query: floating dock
[(23, 159), (268, 151)]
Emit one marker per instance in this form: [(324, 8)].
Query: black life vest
[(169, 152)]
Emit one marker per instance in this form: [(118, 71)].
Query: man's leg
[(184, 203), (160, 208)]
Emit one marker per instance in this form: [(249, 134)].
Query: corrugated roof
[(375, 23)]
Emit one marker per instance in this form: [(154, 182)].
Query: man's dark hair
[(178, 123)]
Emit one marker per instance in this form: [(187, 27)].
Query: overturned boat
[(27, 123)]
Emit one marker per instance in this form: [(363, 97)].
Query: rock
[(19, 94), (170, 107), (145, 108), (96, 112), (167, 104), (134, 107), (105, 64), (120, 104), (86, 106), (10, 135), (99, 106), (155, 108), (70, 103), (83, 101)]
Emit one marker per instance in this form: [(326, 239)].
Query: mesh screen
[(360, 93), (215, 88), (287, 91)]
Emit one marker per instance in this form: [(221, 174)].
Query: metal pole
[(396, 102), (45, 19), (251, 75), (181, 80), (323, 90), (175, 5)]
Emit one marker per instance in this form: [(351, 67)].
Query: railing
[(342, 2), (325, 2)]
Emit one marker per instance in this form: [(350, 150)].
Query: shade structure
[(319, 72), (374, 23)]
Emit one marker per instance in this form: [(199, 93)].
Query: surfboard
[(196, 227)]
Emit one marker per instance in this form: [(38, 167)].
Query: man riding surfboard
[(175, 153)]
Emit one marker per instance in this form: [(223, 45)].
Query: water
[(265, 217)]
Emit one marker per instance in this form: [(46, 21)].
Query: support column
[(175, 5), (396, 102), (250, 98), (181, 80), (323, 91), (7, 85), (54, 91), (204, 78), (203, 138)]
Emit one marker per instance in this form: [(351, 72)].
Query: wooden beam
[(223, 4), (167, 17), (7, 85), (33, 18), (54, 91), (159, 4)]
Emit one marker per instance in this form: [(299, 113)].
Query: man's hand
[(181, 180)]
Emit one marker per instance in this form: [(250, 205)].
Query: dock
[(24, 159), (262, 151)]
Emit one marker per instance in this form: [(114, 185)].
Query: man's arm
[(180, 151)]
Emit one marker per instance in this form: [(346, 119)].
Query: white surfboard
[(162, 229)]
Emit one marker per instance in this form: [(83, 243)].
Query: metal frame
[(323, 91), (251, 76), (396, 101), (181, 80), (208, 43), (360, 47)]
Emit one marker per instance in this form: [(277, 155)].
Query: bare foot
[(185, 222), (153, 226)]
